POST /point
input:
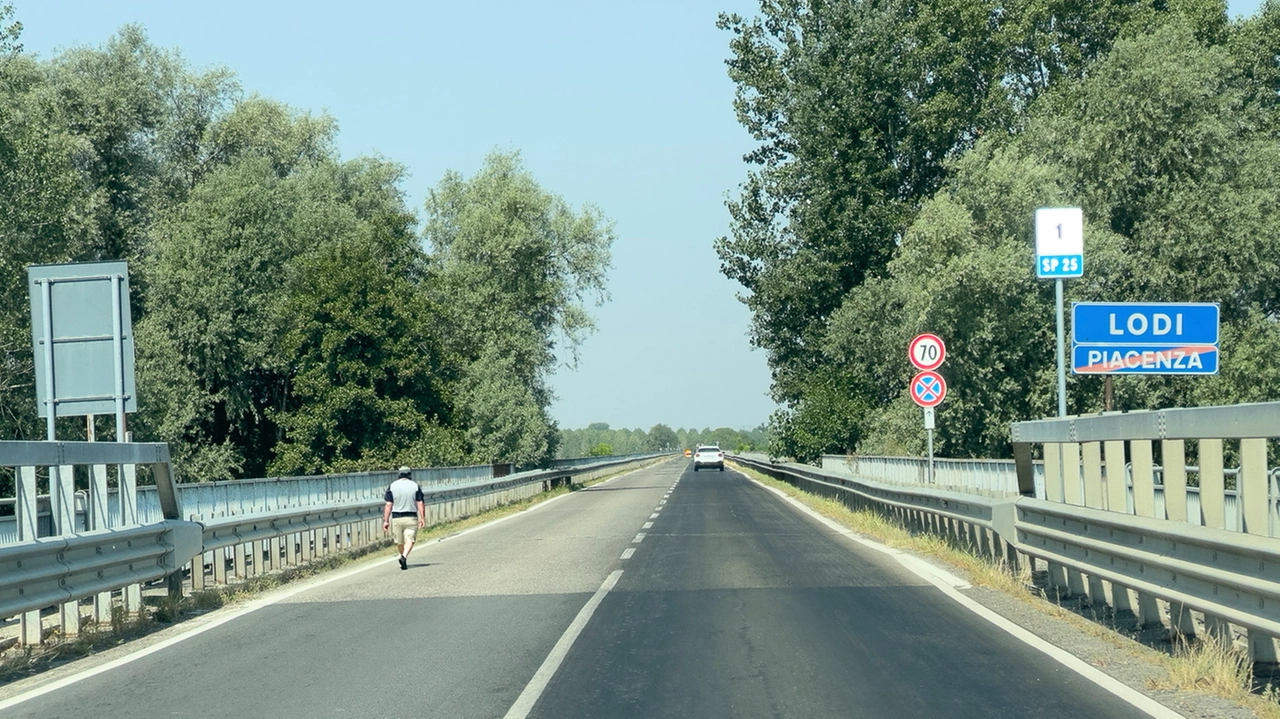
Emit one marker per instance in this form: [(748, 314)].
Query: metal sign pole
[(928, 425), (118, 337), (50, 399), (1062, 362)]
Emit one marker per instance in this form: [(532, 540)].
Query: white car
[(708, 456)]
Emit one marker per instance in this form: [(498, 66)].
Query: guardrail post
[(1117, 501), (1144, 505), (1173, 454), (1053, 472), (1254, 500), (127, 493), (1212, 484), (62, 501), (1091, 456), (30, 630), (1117, 484)]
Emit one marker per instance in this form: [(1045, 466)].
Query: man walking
[(405, 513)]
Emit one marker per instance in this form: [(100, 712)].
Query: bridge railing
[(985, 477), (196, 534), (109, 528)]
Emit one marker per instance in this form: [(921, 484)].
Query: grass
[(1210, 665), (159, 612)]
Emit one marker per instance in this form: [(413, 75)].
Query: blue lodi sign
[(1144, 338)]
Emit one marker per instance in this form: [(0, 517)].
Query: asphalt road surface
[(663, 593)]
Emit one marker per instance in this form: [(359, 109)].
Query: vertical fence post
[(1253, 500), (29, 631)]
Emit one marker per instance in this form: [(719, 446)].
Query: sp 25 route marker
[(927, 351)]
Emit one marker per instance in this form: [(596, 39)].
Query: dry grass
[(1207, 665)]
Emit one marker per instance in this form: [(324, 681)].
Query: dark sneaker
[(404, 563)]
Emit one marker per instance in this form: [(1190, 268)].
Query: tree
[(512, 269), (861, 109), (1178, 179), (662, 438)]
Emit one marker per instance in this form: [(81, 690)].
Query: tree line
[(293, 314), (903, 148), (599, 439)]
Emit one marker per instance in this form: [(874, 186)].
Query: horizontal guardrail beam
[(53, 570), (1229, 422), (46, 454)]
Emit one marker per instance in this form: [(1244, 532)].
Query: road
[(729, 603)]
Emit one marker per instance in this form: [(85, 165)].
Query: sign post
[(1060, 254), (927, 352)]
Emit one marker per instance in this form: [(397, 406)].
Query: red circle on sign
[(927, 351), (928, 389)]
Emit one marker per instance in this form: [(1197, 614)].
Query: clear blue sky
[(624, 104)]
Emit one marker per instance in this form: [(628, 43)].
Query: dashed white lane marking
[(266, 601), (661, 502), (639, 538), (653, 516), (647, 525), (949, 584), (626, 553), (533, 691)]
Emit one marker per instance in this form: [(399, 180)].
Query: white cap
[(404, 471)]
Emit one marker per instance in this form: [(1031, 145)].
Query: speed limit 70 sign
[(927, 352)]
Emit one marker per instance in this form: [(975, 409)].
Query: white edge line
[(1125, 692), (533, 690), (252, 606)]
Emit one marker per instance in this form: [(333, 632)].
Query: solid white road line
[(628, 552), (951, 585), (256, 604), (533, 691)]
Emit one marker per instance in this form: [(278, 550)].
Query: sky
[(622, 104)]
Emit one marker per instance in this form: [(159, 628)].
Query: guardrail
[(237, 529), (1099, 533), (986, 477), (55, 465)]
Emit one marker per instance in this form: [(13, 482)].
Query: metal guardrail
[(987, 477), (55, 464), (91, 563)]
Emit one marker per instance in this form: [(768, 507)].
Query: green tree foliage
[(287, 319), (858, 107), (513, 270), (1167, 140), (662, 438)]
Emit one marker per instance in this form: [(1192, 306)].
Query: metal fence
[(986, 477)]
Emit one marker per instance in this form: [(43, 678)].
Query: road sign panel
[(928, 389), (927, 351), (1162, 323), (1144, 359), (82, 338), (1144, 338), (1059, 242)]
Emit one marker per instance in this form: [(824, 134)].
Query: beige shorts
[(404, 529)]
